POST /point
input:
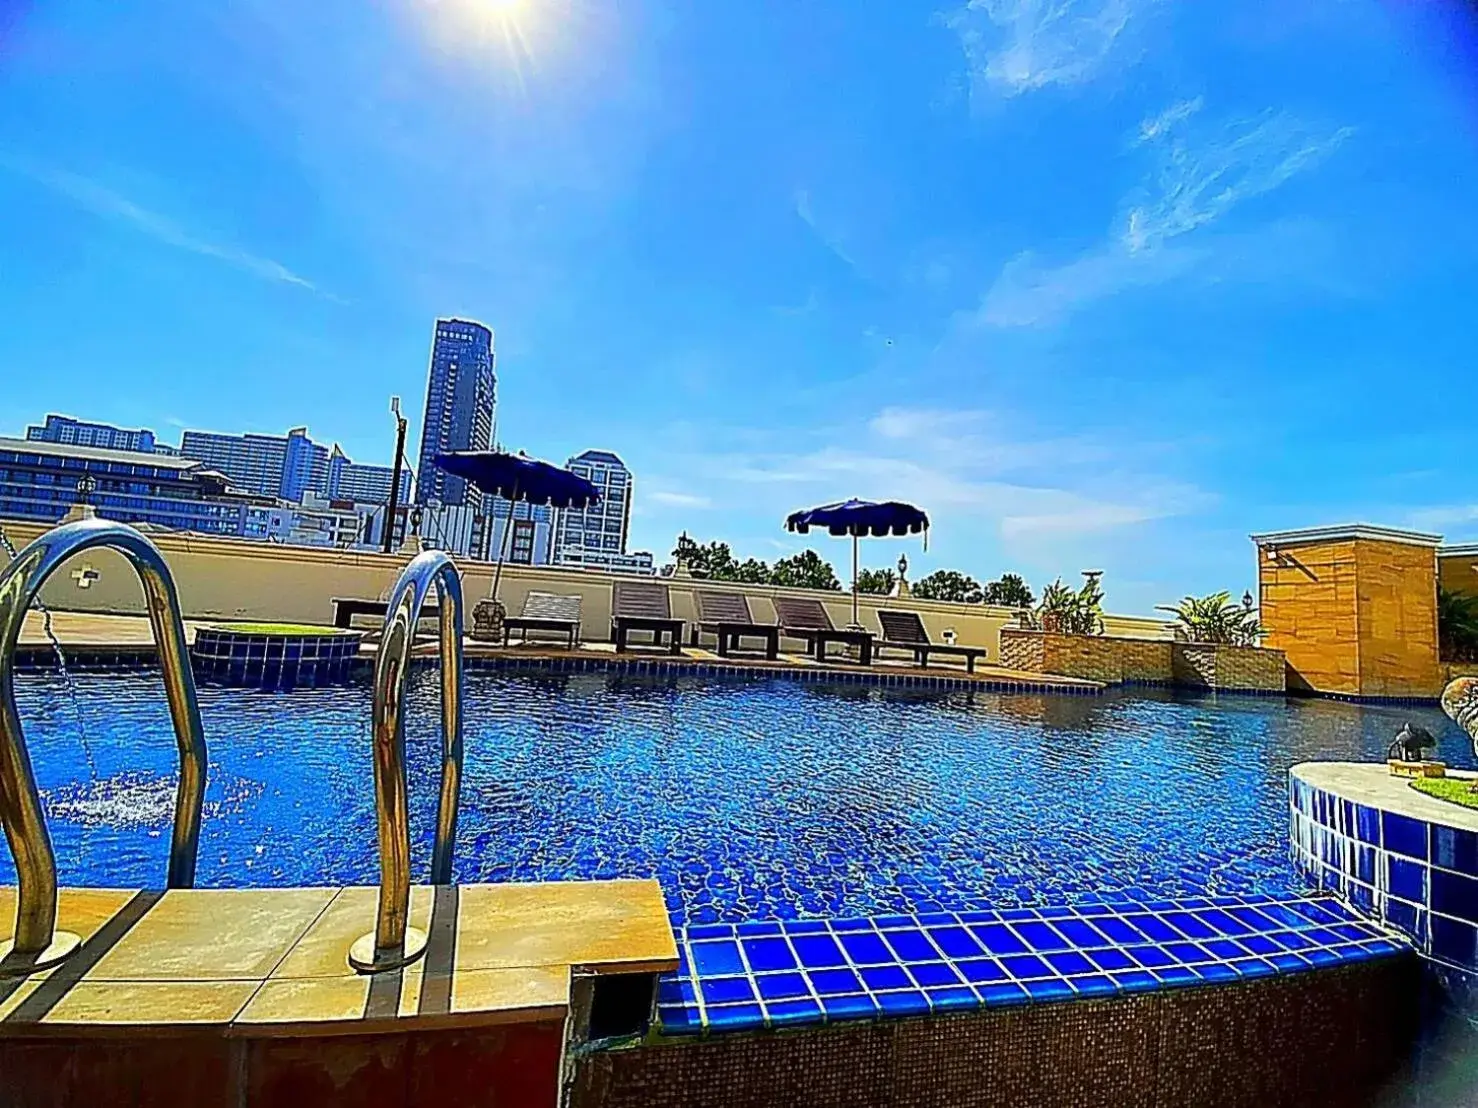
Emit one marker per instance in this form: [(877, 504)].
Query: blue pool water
[(748, 800)]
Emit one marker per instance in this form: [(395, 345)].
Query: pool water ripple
[(747, 800)]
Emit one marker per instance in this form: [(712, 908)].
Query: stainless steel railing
[(36, 942), (394, 942)]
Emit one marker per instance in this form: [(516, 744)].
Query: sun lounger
[(546, 611), (727, 615), (807, 619), (644, 606), (905, 631)]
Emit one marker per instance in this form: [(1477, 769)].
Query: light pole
[(394, 475)]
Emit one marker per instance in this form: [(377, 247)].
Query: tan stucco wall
[(1354, 616), (241, 579)]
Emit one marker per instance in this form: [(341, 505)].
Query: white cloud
[(680, 499), (965, 465), (1165, 227), (1017, 46), (103, 202), (827, 236)]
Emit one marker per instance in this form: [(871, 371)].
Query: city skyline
[(1098, 285)]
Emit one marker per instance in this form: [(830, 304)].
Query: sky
[(1100, 284)]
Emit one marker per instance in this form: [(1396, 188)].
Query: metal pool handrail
[(36, 943), (393, 942)]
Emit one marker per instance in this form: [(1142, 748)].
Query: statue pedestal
[(1417, 769)]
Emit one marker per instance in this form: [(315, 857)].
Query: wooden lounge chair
[(905, 631), (546, 611), (644, 606), (807, 619), (728, 616)]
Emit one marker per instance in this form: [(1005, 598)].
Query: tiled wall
[(1328, 1038), (1419, 877), (273, 662)]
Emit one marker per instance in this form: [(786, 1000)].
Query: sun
[(508, 29)]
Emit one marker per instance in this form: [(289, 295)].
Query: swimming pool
[(748, 800)]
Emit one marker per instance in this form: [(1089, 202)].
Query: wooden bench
[(906, 631), (644, 606), (807, 619)]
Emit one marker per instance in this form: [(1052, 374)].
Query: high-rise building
[(76, 432), (597, 533), (360, 482), (273, 465), (461, 392)]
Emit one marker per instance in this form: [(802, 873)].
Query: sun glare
[(514, 32)]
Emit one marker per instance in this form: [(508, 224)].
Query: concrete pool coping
[(272, 962)]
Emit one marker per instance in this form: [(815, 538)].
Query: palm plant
[(1070, 611), (1215, 619), (1457, 626)]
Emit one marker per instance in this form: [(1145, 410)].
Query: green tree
[(1010, 591), (951, 585), (714, 560), (879, 582), (1457, 626), (751, 571), (805, 570)]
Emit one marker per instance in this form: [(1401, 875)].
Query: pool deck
[(271, 962), (94, 634)]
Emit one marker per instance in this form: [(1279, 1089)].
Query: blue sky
[(1101, 284)]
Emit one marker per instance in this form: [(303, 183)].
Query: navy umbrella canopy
[(858, 518), (517, 477), (861, 517)]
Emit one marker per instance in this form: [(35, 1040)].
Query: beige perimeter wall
[(240, 579)]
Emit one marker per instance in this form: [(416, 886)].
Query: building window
[(522, 552)]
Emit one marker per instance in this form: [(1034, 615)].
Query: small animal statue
[(1409, 743), (1460, 702)]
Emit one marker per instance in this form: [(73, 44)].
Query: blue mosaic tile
[(798, 972), (1403, 835)]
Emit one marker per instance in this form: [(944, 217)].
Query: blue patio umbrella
[(858, 518), (518, 477)]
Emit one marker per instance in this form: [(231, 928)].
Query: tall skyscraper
[(461, 393)]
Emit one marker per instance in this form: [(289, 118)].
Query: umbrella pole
[(855, 621), (503, 546)]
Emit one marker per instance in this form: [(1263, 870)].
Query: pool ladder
[(36, 943), (393, 942)]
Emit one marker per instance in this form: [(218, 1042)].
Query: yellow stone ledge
[(271, 962)]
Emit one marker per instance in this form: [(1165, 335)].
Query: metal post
[(36, 943), (394, 942), (390, 508)]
